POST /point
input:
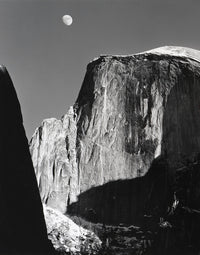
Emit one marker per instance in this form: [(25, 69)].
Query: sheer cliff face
[(130, 110), (53, 149)]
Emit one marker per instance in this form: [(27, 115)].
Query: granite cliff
[(22, 224), (114, 155)]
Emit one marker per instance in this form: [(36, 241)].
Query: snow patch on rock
[(176, 51), (67, 236)]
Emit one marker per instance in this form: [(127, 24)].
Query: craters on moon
[(67, 20)]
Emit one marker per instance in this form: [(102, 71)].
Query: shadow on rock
[(126, 201)]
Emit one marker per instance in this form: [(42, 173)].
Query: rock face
[(134, 115), (68, 237), (22, 225), (53, 149)]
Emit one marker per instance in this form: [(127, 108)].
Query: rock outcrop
[(22, 225), (135, 117), (67, 236)]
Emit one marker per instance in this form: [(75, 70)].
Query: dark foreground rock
[(22, 225)]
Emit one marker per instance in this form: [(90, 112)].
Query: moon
[(67, 20)]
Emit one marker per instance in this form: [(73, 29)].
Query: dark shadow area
[(179, 229), (126, 201), (22, 225), (181, 132), (168, 212)]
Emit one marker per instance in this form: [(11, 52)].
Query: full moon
[(67, 20)]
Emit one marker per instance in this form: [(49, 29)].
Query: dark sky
[(47, 60)]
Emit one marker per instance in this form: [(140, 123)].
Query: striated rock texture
[(130, 111), (53, 149), (22, 225)]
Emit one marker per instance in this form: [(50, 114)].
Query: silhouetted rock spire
[(22, 225)]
